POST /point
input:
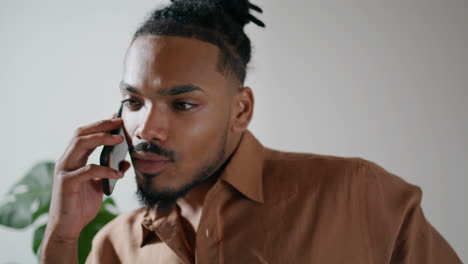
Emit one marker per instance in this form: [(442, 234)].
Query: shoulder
[(387, 193), (310, 171), (305, 163), (309, 168)]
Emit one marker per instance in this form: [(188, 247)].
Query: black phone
[(111, 156)]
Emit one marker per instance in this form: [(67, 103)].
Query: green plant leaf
[(107, 212), (29, 198), (104, 216), (37, 238)]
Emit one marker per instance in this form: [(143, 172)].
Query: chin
[(159, 182), (151, 194)]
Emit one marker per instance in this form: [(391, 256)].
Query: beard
[(165, 199)]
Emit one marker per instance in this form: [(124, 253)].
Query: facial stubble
[(162, 199)]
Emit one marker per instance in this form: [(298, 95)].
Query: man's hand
[(77, 188)]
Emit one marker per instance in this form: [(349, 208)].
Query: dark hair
[(215, 21)]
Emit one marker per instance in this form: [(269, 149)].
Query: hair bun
[(237, 9), (240, 11)]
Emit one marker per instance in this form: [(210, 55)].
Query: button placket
[(207, 246)]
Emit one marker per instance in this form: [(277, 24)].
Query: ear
[(242, 113)]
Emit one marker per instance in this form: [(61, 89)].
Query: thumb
[(124, 166)]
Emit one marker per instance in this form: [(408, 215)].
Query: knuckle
[(94, 170), (61, 177), (57, 170), (86, 168), (110, 138), (77, 141), (105, 138), (101, 122), (79, 131), (102, 135), (90, 167), (59, 165)]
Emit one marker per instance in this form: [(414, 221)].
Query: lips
[(149, 166)]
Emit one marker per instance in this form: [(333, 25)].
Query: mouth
[(150, 166)]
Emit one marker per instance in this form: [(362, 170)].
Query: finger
[(124, 166), (92, 172), (97, 185), (83, 146), (92, 141), (100, 126)]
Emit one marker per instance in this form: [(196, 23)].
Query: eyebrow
[(172, 91)]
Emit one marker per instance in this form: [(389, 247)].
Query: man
[(211, 192)]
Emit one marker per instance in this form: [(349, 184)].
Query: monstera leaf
[(29, 198), (107, 212), (37, 239)]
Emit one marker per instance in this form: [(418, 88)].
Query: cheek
[(199, 144), (202, 126), (192, 148)]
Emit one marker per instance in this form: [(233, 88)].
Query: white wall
[(382, 80)]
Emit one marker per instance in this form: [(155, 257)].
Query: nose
[(154, 125)]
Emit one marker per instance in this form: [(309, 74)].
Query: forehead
[(163, 61)]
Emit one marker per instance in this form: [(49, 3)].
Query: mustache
[(152, 148)]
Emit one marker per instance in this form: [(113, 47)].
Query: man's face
[(177, 108)]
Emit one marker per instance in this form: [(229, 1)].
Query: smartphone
[(111, 156)]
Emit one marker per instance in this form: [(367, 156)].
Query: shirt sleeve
[(398, 229), (102, 251)]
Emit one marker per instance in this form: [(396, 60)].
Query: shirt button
[(207, 233)]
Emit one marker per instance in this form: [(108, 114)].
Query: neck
[(191, 205), (194, 199)]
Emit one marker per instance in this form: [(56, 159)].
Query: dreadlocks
[(220, 22)]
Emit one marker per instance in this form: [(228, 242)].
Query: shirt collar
[(244, 170)]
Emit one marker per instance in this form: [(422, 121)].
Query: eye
[(131, 104), (184, 106)]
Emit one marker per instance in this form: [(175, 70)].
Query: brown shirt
[(270, 206)]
